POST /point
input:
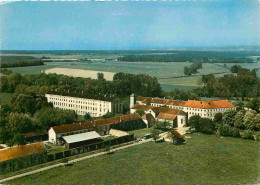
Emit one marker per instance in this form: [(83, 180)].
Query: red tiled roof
[(159, 100), (142, 107), (95, 123), (209, 104), (37, 133), (140, 98), (21, 151), (176, 103), (166, 116)]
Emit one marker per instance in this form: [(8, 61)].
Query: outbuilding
[(77, 140)]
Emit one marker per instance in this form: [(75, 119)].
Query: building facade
[(82, 104), (205, 109)]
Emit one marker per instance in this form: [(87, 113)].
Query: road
[(72, 161)]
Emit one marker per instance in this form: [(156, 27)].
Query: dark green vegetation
[(192, 56), (192, 69), (232, 123), (29, 113), (204, 159), (244, 84), (19, 61), (122, 85)]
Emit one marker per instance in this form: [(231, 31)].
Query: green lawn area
[(204, 159), (6, 97), (141, 132), (52, 148)]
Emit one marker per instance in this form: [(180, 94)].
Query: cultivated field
[(205, 159), (166, 72), (80, 73)]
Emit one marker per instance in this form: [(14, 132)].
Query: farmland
[(205, 159), (165, 71)]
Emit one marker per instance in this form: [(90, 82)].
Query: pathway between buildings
[(72, 161)]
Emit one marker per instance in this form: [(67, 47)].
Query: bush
[(226, 130), (247, 134), (50, 157), (203, 125)]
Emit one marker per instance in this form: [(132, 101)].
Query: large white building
[(96, 106), (205, 109)]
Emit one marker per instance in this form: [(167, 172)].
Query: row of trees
[(192, 56), (19, 61), (122, 85), (230, 123), (193, 69), (28, 113)]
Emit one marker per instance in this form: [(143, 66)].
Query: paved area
[(118, 133), (72, 161)]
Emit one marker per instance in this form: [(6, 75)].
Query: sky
[(128, 25)]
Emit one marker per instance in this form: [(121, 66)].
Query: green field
[(204, 159), (161, 70)]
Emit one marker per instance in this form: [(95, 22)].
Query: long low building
[(101, 126), (206, 109), (22, 156), (81, 103), (86, 138)]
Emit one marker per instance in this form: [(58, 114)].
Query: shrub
[(247, 134), (50, 157), (226, 130), (59, 155), (229, 117)]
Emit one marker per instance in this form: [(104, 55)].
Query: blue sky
[(128, 25)]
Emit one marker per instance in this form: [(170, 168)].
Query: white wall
[(52, 136)]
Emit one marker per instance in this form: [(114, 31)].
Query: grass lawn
[(203, 160), (6, 97), (52, 148), (141, 132)]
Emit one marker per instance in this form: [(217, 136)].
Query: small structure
[(22, 156), (36, 136), (82, 139), (148, 119)]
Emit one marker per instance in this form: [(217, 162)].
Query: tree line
[(191, 56), (122, 85), (19, 61)]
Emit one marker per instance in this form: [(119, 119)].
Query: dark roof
[(148, 117), (87, 96), (142, 107), (95, 123), (37, 133), (21, 151)]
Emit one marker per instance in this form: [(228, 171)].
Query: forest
[(192, 56), (19, 61)]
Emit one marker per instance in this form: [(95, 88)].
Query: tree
[(87, 117), (206, 126), (100, 76), (48, 117), (19, 123), (155, 134), (254, 104), (249, 119), (194, 120), (239, 120), (218, 118), (176, 137), (19, 139), (109, 115), (140, 112), (229, 117)]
